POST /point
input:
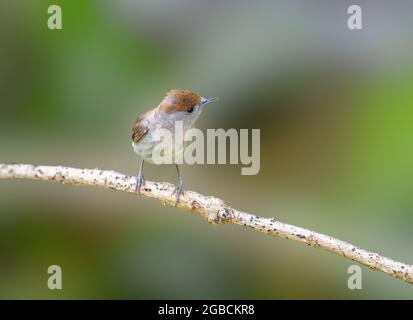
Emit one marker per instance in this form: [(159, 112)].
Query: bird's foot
[(140, 182), (178, 191)]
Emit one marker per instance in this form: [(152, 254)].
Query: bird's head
[(184, 105)]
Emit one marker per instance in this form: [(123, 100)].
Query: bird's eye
[(190, 110)]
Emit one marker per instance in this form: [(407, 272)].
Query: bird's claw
[(140, 182), (178, 191)]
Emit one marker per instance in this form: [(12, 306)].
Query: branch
[(212, 209)]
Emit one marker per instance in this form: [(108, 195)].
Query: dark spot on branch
[(228, 213), (195, 205)]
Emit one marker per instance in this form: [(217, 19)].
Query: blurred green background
[(335, 109)]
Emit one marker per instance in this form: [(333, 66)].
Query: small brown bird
[(178, 105)]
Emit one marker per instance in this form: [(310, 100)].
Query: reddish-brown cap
[(179, 100)]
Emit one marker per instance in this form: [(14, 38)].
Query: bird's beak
[(207, 100)]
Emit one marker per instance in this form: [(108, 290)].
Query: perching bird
[(178, 105)]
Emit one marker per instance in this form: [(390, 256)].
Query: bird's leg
[(179, 189), (140, 179)]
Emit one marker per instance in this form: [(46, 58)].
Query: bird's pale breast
[(146, 145)]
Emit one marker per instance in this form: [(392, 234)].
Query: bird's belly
[(145, 147)]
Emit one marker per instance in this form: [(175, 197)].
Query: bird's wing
[(140, 128)]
